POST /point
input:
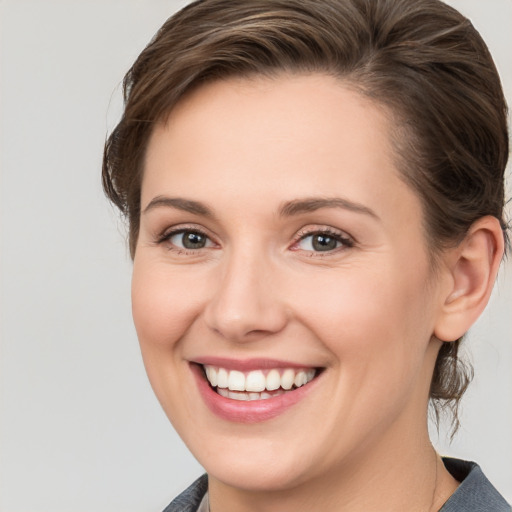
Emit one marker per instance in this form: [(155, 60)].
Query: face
[(282, 291)]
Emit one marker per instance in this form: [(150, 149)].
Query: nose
[(246, 304)]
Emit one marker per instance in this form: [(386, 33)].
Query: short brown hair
[(420, 59)]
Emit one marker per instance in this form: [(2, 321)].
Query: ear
[(472, 267)]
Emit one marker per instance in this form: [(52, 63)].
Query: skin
[(366, 311)]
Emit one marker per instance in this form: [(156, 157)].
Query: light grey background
[(79, 427)]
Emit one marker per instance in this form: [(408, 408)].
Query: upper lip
[(248, 364)]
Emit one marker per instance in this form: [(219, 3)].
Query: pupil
[(324, 243), (193, 240)]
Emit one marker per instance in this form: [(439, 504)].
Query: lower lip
[(253, 411)]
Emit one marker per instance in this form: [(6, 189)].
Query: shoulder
[(475, 493), (189, 499)]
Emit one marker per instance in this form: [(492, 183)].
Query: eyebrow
[(288, 209), (186, 205), (311, 204)]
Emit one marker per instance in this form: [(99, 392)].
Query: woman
[(315, 201)]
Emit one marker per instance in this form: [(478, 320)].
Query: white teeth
[(244, 396), (256, 382), (222, 378), (223, 392), (300, 379), (236, 381), (211, 375), (238, 396), (287, 379), (273, 380)]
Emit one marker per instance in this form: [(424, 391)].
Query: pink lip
[(254, 411), (246, 365)]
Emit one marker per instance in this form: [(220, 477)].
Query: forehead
[(277, 138)]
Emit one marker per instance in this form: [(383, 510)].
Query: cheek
[(378, 333), (364, 298), (164, 304), (371, 320)]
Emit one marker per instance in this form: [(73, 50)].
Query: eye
[(323, 241), (188, 239)]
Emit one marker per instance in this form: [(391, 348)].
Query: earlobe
[(473, 266)]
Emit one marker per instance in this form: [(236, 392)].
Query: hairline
[(395, 121)]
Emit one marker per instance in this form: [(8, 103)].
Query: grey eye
[(190, 240), (319, 242)]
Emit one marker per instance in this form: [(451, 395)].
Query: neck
[(409, 477)]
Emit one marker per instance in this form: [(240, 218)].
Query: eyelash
[(168, 235), (344, 240)]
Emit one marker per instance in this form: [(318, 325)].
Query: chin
[(257, 475), (265, 460)]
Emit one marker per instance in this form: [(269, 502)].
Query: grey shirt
[(474, 494)]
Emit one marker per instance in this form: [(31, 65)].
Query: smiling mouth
[(257, 384)]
